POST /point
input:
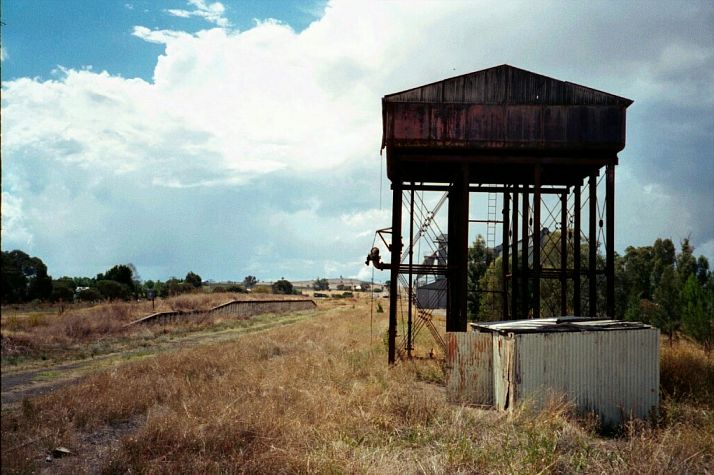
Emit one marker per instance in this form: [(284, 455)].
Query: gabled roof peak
[(506, 84)]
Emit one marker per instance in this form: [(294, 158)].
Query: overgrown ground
[(316, 396), (39, 335)]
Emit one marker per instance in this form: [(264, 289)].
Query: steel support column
[(411, 264), (525, 294), (577, 300), (536, 241), (563, 253), (514, 251), (456, 316), (610, 239), (396, 250), (504, 254), (592, 246)]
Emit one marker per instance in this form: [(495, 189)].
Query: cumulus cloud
[(211, 12), (257, 151)]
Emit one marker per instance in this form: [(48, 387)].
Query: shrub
[(282, 286), (89, 295)]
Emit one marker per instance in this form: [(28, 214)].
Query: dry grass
[(48, 334), (317, 397), (687, 373)]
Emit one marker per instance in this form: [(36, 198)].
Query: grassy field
[(317, 397), (41, 335)]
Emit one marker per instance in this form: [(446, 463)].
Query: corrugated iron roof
[(558, 324)]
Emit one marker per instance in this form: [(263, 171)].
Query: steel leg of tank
[(515, 273), (504, 255), (577, 306), (525, 294), (563, 254), (592, 247), (610, 244), (536, 241), (456, 316), (396, 251)]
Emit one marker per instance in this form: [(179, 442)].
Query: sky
[(242, 138)]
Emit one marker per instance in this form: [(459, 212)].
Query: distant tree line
[(25, 279), (653, 284)]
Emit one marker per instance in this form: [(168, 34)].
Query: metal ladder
[(492, 219)]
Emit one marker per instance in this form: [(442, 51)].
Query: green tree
[(666, 296), (193, 279), (62, 291), (174, 287), (24, 278), (321, 284), (84, 282), (490, 305), (703, 273), (112, 289), (120, 273), (663, 257), (249, 281), (89, 295), (479, 259), (282, 286), (698, 312), (637, 268), (686, 262)]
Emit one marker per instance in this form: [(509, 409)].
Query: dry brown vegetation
[(317, 397), (52, 334)]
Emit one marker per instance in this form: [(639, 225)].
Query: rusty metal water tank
[(498, 116)]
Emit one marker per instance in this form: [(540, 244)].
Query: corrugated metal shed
[(605, 366)]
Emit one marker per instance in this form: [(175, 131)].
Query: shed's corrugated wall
[(613, 373), (469, 368)]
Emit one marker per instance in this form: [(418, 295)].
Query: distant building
[(335, 284), (431, 290)]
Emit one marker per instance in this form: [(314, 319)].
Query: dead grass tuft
[(687, 373)]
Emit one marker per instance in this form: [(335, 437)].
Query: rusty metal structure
[(520, 136)]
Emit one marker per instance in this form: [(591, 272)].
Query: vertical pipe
[(563, 253), (610, 244), (396, 251), (525, 294), (514, 252), (411, 264), (536, 241), (592, 246), (456, 316), (504, 254), (576, 251)]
